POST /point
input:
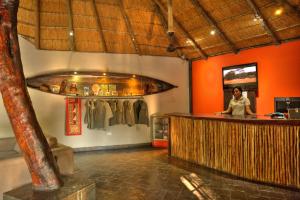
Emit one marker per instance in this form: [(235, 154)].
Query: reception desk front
[(253, 147)]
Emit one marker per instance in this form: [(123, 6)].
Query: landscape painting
[(242, 75)]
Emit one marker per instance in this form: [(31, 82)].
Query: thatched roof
[(140, 26)]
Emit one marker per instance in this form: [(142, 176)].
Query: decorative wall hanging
[(92, 83), (73, 116)]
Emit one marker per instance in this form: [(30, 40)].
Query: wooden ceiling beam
[(150, 33), (71, 30), (129, 27), (186, 33), (213, 23), (164, 23), (37, 23), (264, 22), (99, 25), (252, 37)]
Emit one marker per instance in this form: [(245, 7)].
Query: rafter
[(129, 27), (186, 33), (150, 33), (99, 25), (71, 30), (37, 23), (266, 25), (213, 23), (165, 26)]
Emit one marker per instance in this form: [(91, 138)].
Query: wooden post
[(29, 135)]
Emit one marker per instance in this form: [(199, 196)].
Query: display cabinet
[(160, 130)]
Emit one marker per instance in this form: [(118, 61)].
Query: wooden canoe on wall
[(95, 83)]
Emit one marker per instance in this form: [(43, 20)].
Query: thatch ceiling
[(139, 26)]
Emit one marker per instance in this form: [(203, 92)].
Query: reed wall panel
[(261, 152), (27, 16), (54, 20), (289, 33), (28, 4), (61, 45), (27, 30), (263, 39)]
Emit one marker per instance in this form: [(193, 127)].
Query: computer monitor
[(282, 104)]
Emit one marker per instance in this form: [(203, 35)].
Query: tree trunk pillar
[(36, 151)]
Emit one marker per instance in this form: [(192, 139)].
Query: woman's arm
[(228, 111), (248, 110)]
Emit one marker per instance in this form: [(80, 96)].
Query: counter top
[(257, 119)]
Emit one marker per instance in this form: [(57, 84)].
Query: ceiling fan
[(173, 45)]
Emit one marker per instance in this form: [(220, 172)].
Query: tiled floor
[(149, 174)]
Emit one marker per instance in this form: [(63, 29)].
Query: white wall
[(50, 108)]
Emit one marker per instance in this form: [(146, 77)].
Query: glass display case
[(160, 130)]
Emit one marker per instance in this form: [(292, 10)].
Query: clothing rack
[(105, 97)]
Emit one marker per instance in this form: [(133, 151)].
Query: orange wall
[(278, 76)]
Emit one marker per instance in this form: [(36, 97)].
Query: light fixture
[(213, 32), (278, 11), (75, 78), (104, 74), (257, 18), (133, 76), (71, 33), (75, 72)]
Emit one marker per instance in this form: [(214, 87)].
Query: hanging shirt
[(89, 118), (113, 107), (128, 113), (120, 112), (141, 112), (117, 110), (102, 114)]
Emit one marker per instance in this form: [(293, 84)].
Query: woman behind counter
[(239, 105)]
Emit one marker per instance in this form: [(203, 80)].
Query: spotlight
[(278, 11)]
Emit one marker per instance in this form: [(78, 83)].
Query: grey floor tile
[(149, 174)]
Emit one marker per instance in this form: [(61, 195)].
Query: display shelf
[(160, 130)]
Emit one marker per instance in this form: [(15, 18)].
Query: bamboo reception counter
[(253, 147)]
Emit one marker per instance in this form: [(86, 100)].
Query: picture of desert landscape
[(242, 75)]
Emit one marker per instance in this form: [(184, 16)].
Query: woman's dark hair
[(237, 87)]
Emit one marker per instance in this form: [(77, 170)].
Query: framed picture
[(86, 91), (73, 116), (244, 76), (104, 90)]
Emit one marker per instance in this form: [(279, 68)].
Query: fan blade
[(171, 48)]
